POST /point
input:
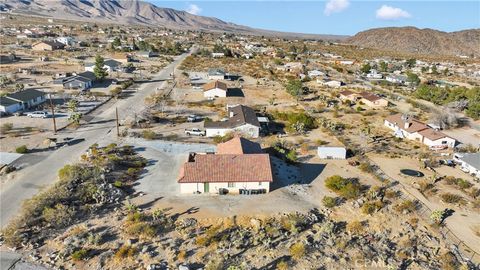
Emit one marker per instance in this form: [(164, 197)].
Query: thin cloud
[(334, 6), (391, 13), (194, 9)]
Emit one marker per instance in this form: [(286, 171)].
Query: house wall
[(376, 103), (247, 130), (191, 188), (448, 141), (42, 47), (11, 109), (216, 77), (332, 152), (216, 92)]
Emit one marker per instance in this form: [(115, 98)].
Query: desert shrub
[(182, 255), (371, 207), (459, 182), (21, 149), (365, 167), (452, 198), (355, 227), (118, 184), (449, 261), (149, 134), (215, 264), (437, 216), (59, 216), (347, 188), (116, 91), (406, 206), (79, 255), (329, 202), (282, 265), (224, 138), (320, 142), (6, 127), (125, 251), (297, 250), (291, 222)]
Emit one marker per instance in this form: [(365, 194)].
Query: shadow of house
[(235, 92)]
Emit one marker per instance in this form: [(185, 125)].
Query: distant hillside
[(422, 41), (135, 12)]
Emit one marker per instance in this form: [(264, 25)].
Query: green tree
[(412, 78), (366, 68), (411, 62), (383, 66), (99, 70), (434, 70), (295, 88), (116, 43), (74, 115), (19, 87)]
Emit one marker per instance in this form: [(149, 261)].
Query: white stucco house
[(469, 162), (215, 89), (239, 167), (109, 65), (216, 74), (242, 120), (412, 129)]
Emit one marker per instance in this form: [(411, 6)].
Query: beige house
[(239, 167), (370, 99), (47, 46), (412, 129)]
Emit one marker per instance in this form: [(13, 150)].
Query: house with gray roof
[(241, 119), (469, 162), (21, 100)]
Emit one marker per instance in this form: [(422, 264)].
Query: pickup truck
[(195, 132)]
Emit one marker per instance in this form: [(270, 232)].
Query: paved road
[(101, 129)]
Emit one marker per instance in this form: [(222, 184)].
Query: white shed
[(332, 152)]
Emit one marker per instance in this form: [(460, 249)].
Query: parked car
[(195, 132), (37, 114), (193, 118)]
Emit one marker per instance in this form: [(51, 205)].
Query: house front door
[(206, 188)]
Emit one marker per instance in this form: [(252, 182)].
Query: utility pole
[(118, 126), (53, 114)]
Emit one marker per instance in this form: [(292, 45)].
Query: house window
[(259, 183), (444, 142), (231, 185)]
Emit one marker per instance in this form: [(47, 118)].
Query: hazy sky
[(345, 17)]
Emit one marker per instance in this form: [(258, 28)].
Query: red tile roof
[(227, 168), (238, 160), (238, 146)]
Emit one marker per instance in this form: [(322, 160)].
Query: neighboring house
[(109, 65), (197, 82), (146, 54), (216, 74), (81, 81), (9, 106), (7, 59), (291, 67), (469, 162), (77, 83), (25, 100), (373, 74), (239, 167), (330, 83), (394, 78), (326, 152), (372, 100), (242, 119), (67, 41), (367, 98), (315, 73), (348, 95), (218, 55), (412, 129), (47, 45), (215, 89), (345, 62)]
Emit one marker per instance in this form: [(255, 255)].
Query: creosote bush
[(347, 188), (329, 202), (125, 251), (297, 251)]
